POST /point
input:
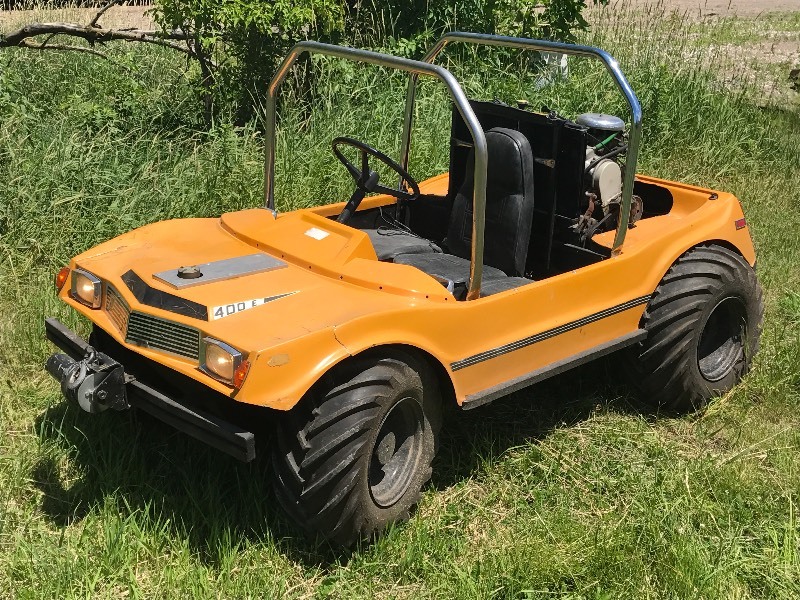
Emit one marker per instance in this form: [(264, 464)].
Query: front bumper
[(127, 391)]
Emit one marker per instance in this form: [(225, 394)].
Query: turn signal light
[(740, 223), (61, 278), (240, 374)]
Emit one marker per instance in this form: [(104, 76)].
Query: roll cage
[(426, 66)]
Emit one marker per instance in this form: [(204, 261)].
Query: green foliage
[(249, 37), (283, 19), (561, 19), (373, 20)]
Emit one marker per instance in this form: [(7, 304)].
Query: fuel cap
[(192, 272)]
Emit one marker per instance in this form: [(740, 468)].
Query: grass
[(565, 490)]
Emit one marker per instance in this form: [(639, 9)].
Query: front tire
[(353, 456), (703, 324)]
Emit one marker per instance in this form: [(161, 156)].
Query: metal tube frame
[(416, 68), (426, 67), (527, 44)]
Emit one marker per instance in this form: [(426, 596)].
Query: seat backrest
[(509, 204)]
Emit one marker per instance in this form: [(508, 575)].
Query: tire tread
[(320, 445), (661, 366)]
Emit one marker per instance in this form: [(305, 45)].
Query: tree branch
[(92, 35), (101, 12), (46, 46), (98, 35)]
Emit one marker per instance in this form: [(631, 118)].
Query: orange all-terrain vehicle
[(350, 325)]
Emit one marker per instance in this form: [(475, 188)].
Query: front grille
[(151, 332), (117, 309), (160, 334)]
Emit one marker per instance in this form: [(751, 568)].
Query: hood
[(263, 280)]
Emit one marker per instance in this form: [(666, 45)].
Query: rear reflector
[(740, 223)]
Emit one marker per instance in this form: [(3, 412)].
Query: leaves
[(214, 21), (250, 37)]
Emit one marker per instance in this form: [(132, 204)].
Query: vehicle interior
[(552, 184)]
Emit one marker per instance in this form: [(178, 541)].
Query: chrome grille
[(117, 309), (160, 334)]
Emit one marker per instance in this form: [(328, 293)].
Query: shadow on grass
[(143, 466), (472, 440), (165, 480)]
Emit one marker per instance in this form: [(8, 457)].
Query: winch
[(96, 382)]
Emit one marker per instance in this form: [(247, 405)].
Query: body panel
[(338, 300)]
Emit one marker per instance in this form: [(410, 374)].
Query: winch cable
[(76, 372)]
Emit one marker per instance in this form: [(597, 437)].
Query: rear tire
[(703, 324), (353, 456)]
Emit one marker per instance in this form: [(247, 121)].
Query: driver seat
[(389, 242), (509, 216)]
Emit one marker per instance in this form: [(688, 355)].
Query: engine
[(603, 173)]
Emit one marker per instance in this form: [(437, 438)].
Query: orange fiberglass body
[(346, 327), (338, 300)]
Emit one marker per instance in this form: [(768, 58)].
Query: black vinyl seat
[(496, 285), (389, 243), (509, 215), (443, 265)]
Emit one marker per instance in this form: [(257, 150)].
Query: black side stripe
[(540, 337)]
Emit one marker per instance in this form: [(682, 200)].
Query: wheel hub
[(721, 344), (397, 451), (385, 449)]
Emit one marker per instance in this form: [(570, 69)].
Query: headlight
[(86, 288), (223, 362)]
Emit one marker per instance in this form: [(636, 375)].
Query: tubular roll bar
[(527, 44), (426, 67), (416, 68)]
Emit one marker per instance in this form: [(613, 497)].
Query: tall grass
[(563, 490)]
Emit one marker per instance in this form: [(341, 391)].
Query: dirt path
[(117, 17), (709, 8)]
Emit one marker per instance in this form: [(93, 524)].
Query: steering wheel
[(367, 179)]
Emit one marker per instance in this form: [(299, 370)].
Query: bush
[(249, 37)]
